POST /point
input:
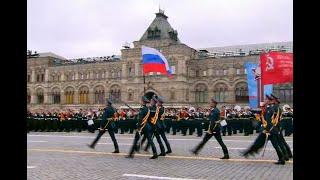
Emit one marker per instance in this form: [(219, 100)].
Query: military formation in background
[(186, 121), (152, 120)]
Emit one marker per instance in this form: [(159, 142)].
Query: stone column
[(33, 76), (136, 69), (46, 97), (91, 75), (91, 97), (210, 71), (63, 77), (46, 75), (62, 97), (76, 97), (232, 71), (77, 76), (124, 71), (33, 98)]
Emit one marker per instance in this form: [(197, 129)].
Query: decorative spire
[(161, 13)]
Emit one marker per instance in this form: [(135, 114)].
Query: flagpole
[(144, 84), (258, 91)]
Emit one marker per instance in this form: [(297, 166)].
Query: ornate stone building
[(55, 82)]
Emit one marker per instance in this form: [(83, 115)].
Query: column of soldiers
[(151, 123), (185, 121), (270, 118)]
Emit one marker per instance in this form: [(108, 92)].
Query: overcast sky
[(88, 28)]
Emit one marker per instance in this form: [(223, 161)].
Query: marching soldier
[(283, 144), (143, 126), (287, 116), (213, 130), (153, 119), (160, 126), (107, 123), (270, 132)]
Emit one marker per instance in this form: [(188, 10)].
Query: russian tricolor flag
[(154, 61)]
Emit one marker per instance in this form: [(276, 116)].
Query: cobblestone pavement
[(60, 155)]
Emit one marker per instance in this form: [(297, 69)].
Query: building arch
[(69, 94), (83, 94), (40, 95), (99, 94), (220, 92), (241, 92), (115, 93), (201, 92), (56, 95)]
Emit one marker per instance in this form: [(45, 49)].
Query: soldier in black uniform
[(107, 123), (286, 123), (143, 126), (283, 144), (270, 132), (213, 130), (199, 122), (161, 127)]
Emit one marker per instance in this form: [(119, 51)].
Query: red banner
[(276, 68)]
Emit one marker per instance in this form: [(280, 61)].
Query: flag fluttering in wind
[(154, 61), (276, 67)]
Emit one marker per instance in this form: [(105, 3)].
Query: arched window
[(130, 95), (97, 75), (284, 92), (131, 69), (197, 73), (28, 97), (56, 96), (201, 93), (70, 76), (220, 92), (112, 74), (69, 95), (241, 92), (115, 93), (119, 75), (40, 97), (99, 95), (84, 95), (42, 77)]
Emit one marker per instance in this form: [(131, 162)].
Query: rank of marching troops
[(271, 120), (185, 121)]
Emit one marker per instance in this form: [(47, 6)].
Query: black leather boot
[(116, 151), (226, 156), (280, 162), (155, 156)]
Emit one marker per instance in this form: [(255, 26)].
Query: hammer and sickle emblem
[(269, 63)]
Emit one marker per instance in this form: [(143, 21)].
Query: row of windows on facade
[(219, 72), (99, 97), (71, 76), (201, 96), (39, 78)]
